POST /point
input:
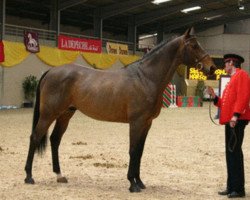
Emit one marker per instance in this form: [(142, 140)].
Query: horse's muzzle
[(211, 74), (212, 69)]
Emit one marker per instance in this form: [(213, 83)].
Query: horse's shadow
[(116, 187)]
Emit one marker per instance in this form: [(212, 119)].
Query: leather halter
[(197, 61)]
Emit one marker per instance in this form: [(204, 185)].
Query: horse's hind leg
[(55, 139), (28, 166), (38, 133), (138, 134)]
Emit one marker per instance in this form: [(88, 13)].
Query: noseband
[(198, 63)]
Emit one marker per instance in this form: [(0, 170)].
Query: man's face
[(229, 66)]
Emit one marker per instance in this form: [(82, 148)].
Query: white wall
[(149, 42)]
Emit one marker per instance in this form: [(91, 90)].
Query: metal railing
[(48, 37), (18, 31)]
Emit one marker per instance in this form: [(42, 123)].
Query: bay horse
[(131, 95)]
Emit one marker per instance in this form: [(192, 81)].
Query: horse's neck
[(160, 67)]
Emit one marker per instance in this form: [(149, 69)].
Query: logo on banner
[(112, 48), (78, 44), (115, 48), (31, 41), (123, 49)]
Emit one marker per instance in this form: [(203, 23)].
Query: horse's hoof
[(62, 180), (141, 185), (134, 188), (29, 181)]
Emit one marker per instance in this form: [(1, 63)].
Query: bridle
[(198, 64)]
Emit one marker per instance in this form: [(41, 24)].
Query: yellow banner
[(15, 53), (117, 49)]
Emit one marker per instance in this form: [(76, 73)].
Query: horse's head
[(194, 55)]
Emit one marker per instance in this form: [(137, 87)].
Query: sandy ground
[(183, 158)]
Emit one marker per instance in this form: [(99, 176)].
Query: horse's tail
[(43, 143)]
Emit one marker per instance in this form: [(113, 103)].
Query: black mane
[(151, 52), (156, 48)]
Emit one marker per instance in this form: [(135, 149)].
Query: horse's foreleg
[(138, 134), (55, 139), (140, 151), (134, 168)]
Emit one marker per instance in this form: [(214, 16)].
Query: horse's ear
[(189, 32), (192, 32)]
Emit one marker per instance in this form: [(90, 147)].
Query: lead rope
[(210, 112), (233, 133)]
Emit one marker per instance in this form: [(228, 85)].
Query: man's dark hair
[(237, 64)]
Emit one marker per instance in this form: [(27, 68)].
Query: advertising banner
[(112, 48), (116, 48), (79, 44), (123, 49)]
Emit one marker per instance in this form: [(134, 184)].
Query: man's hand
[(233, 121), (210, 91)]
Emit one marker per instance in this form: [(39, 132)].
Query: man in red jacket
[(234, 114)]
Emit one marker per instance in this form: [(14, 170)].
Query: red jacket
[(235, 97)]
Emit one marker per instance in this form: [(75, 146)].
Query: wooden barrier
[(169, 96), (191, 101)]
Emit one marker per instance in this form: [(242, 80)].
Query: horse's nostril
[(212, 69)]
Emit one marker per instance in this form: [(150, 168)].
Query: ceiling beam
[(31, 2), (166, 11), (182, 22), (69, 3), (118, 8), (26, 13)]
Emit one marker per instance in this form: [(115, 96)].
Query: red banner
[(77, 44), (1, 51)]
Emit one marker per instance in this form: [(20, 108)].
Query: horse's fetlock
[(130, 178)]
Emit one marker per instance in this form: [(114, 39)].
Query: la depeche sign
[(79, 44)]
